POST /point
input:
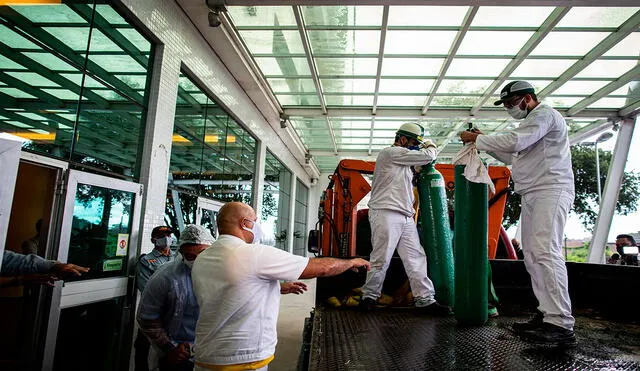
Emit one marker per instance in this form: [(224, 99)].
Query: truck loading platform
[(604, 304), (346, 339)]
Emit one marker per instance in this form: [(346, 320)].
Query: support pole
[(611, 191), (471, 252)]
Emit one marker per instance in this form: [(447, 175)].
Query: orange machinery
[(348, 186)]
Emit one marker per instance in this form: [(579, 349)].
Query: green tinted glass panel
[(342, 15), (273, 42), (101, 230), (344, 42)]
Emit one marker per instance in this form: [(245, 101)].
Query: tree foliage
[(586, 200)]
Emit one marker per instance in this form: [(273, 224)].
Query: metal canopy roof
[(347, 76)]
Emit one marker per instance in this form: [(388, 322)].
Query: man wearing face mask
[(237, 285), (539, 153), (392, 225), (169, 311), (162, 239)]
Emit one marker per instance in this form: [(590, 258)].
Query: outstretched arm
[(327, 267)]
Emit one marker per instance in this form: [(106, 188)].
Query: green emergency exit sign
[(112, 265)]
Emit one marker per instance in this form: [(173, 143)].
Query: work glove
[(427, 143)]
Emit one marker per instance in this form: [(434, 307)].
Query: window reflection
[(300, 219), (100, 232), (212, 156), (65, 105), (275, 203)]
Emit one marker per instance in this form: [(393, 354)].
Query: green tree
[(586, 201)]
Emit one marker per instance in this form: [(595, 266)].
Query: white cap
[(195, 234)]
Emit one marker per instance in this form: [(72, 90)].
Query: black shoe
[(550, 335), (435, 309), (534, 322), (367, 305)]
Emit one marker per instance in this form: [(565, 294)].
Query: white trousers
[(544, 214), (390, 230)]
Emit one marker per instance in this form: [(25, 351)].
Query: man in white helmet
[(539, 153), (392, 225)]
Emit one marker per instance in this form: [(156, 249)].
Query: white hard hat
[(411, 130), (196, 234)]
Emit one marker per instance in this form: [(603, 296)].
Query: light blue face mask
[(256, 230), (167, 241)]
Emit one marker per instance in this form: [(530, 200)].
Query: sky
[(620, 224)]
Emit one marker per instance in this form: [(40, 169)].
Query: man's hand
[(427, 143), (469, 136), (179, 353), (293, 288), (358, 263), (68, 270)]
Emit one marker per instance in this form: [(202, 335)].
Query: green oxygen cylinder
[(471, 259), (436, 232)]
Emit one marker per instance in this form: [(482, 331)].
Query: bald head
[(231, 216)]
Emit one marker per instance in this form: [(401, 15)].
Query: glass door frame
[(207, 204), (71, 294)]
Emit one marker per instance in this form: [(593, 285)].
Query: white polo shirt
[(238, 291)]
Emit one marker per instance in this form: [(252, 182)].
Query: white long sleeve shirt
[(538, 151), (391, 188)]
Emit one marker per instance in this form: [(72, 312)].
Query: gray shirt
[(14, 263)]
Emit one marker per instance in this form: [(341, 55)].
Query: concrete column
[(156, 150), (611, 191), (292, 213), (258, 180)]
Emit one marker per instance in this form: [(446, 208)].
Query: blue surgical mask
[(255, 230)]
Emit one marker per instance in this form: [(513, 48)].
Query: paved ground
[(293, 310)]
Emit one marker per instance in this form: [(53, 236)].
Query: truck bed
[(604, 300), (344, 339)]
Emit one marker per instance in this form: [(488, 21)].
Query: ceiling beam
[(629, 26), (307, 51), (630, 109), (535, 39), (416, 113), (632, 74), (314, 70), (594, 3), (468, 18), (38, 93), (383, 38), (590, 130)]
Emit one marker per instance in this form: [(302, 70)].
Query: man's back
[(238, 291), (391, 188)]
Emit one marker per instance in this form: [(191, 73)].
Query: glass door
[(99, 230), (207, 215)]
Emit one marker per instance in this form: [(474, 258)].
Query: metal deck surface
[(403, 340)]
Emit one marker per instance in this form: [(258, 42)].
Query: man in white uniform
[(392, 225), (539, 153), (236, 282)]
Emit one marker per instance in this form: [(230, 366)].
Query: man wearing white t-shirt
[(236, 282)]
